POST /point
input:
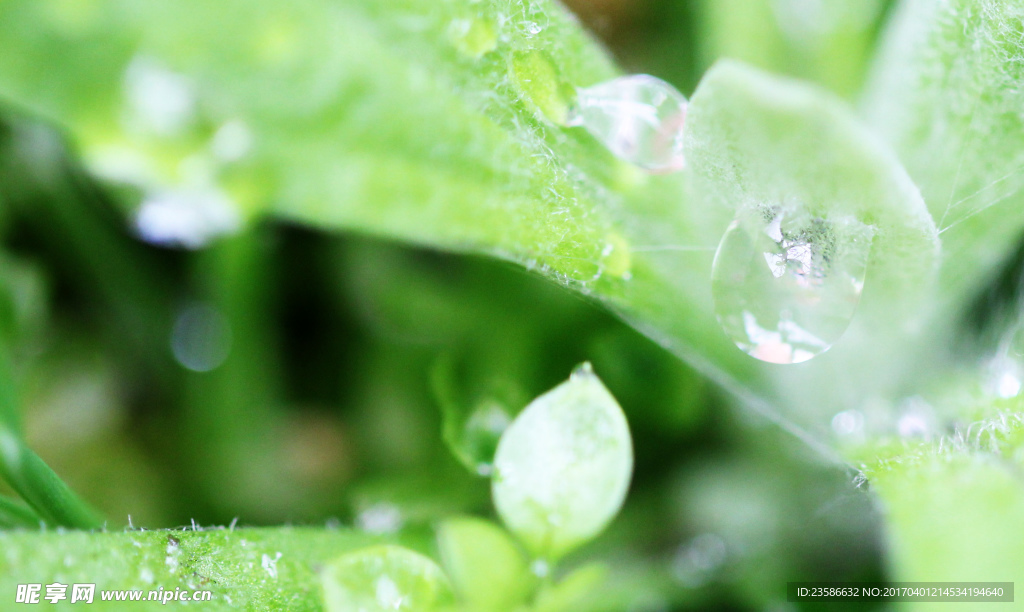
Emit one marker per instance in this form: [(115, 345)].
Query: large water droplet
[(786, 284), (639, 118)]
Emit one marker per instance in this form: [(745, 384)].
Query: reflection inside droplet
[(786, 284), (201, 338), (639, 118)]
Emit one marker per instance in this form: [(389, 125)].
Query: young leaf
[(384, 578), (563, 467), (487, 569)]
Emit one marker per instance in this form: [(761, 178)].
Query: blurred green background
[(281, 375)]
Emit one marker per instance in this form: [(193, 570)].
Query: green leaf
[(487, 569), (384, 578), (563, 467), (246, 569)]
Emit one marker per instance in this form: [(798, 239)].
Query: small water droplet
[(917, 418), (1004, 373), (201, 339), (616, 258), (532, 28), (380, 518), (697, 561), (186, 218), (1005, 381), (848, 423), (540, 84), (639, 118), (232, 141), (160, 100), (584, 370), (473, 37), (786, 284), (540, 568)]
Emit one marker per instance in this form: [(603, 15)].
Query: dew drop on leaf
[(532, 28), (786, 284), (639, 118)]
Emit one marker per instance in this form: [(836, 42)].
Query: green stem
[(15, 514), (29, 475), (230, 410), (9, 414)]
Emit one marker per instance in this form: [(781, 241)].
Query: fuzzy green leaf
[(252, 569)]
